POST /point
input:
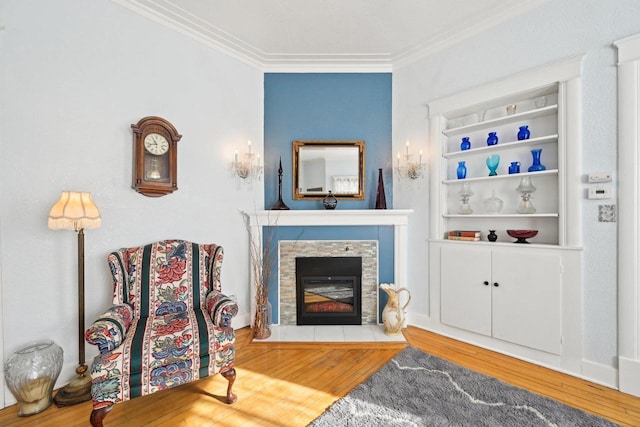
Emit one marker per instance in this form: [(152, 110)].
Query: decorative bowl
[(522, 235)]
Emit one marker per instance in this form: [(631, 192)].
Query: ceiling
[(324, 35)]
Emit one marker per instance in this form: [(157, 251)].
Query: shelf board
[(512, 215), (531, 114), (504, 243), (501, 147), (509, 176)]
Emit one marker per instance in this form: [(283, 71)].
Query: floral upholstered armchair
[(169, 324)]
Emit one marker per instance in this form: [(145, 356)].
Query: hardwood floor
[(291, 384)]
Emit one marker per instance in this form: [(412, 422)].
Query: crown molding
[(171, 16), (179, 20), (191, 26), (327, 64)]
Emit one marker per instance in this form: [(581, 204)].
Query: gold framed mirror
[(323, 166)]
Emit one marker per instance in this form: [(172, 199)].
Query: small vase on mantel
[(330, 201), (381, 200)]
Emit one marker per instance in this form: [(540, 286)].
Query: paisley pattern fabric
[(221, 309), (169, 324), (108, 331)]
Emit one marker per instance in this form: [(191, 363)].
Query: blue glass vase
[(492, 163), (536, 166), (465, 144), (492, 139), (514, 168), (462, 170), (524, 133)]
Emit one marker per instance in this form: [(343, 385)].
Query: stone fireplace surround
[(289, 250), (398, 218)]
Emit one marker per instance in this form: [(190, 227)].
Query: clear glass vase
[(465, 193), (31, 372), (262, 321)]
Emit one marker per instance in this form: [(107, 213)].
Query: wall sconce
[(407, 167), (248, 166)]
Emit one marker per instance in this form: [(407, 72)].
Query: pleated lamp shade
[(74, 211)]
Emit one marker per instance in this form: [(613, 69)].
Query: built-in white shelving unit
[(521, 299)]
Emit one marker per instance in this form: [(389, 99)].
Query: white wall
[(556, 30), (76, 75)]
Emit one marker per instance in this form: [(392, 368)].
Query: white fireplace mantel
[(398, 218), (395, 217)]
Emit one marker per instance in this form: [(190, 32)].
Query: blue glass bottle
[(536, 166), (514, 168), (465, 144), (462, 170), (524, 133), (492, 139)]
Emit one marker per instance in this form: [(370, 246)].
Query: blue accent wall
[(326, 107), (332, 106)]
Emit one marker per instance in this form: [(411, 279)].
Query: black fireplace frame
[(329, 269)]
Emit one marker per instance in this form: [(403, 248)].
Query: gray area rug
[(417, 389)]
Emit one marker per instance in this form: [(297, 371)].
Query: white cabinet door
[(465, 299), (526, 304)]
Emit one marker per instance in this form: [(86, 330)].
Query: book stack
[(468, 235)]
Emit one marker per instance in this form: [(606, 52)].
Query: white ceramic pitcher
[(393, 314)]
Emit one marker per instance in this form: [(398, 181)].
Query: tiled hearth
[(331, 333)]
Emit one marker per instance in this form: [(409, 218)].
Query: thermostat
[(599, 177), (599, 193)]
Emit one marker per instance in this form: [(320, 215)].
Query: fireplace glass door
[(328, 299)]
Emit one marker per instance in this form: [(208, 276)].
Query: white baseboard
[(241, 320), (419, 320), (629, 375), (600, 374), (585, 369)]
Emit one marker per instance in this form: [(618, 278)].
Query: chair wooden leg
[(97, 415), (230, 375)]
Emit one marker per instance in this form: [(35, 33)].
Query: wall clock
[(155, 156)]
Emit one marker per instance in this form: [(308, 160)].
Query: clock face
[(156, 144)]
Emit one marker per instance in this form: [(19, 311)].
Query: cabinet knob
[(496, 284), (486, 283)]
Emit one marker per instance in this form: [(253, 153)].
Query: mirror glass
[(323, 166)]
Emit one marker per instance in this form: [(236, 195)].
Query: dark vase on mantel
[(381, 200), (330, 201)]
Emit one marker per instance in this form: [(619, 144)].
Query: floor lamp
[(76, 211)]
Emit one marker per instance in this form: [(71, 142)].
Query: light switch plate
[(599, 193)]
